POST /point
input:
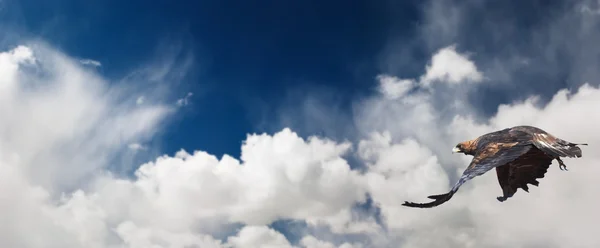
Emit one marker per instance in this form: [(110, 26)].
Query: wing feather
[(549, 143), (556, 147), (526, 170)]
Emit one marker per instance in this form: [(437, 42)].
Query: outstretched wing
[(522, 171), (493, 155), (556, 147), (549, 143)]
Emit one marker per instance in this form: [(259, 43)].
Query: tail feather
[(439, 199), (435, 197), (575, 144), (574, 150)]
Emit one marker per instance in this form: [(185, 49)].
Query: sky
[(243, 57), (290, 124)]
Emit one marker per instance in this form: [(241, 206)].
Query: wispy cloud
[(393, 87), (185, 100), (136, 147), (90, 62)]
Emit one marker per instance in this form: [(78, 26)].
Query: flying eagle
[(520, 154)]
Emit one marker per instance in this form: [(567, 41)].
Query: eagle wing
[(556, 147), (525, 170), (549, 143), (492, 155)]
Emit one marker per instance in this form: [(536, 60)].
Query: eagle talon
[(561, 165)]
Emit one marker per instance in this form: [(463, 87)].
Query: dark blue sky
[(248, 54)]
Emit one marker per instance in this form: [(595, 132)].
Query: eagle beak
[(455, 150)]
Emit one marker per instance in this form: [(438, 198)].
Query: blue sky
[(249, 57), (315, 67)]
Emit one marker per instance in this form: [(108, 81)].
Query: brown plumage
[(520, 154)]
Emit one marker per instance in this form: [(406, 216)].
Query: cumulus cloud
[(397, 172), (446, 66), (258, 236), (134, 236), (312, 242), (280, 176), (449, 66)]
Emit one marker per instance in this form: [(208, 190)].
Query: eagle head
[(466, 147)]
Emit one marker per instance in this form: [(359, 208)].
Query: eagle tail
[(435, 197), (574, 150), (439, 199)]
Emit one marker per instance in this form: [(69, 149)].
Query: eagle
[(520, 154)]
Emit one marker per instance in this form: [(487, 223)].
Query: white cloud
[(280, 176), (258, 236), (9, 66), (447, 66), (135, 236), (312, 242), (60, 129), (450, 66), (56, 121), (346, 222), (393, 87), (398, 172), (90, 62)]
